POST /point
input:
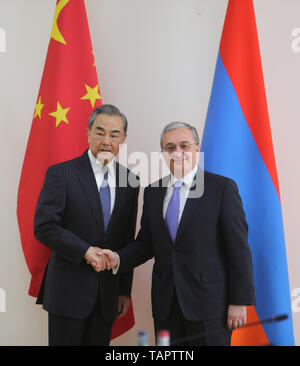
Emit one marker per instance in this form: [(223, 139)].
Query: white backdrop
[(155, 60)]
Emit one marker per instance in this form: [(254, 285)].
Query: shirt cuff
[(116, 269)]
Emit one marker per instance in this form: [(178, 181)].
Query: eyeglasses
[(184, 146), (101, 136)]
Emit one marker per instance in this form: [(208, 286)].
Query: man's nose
[(106, 140), (178, 148), (177, 154)]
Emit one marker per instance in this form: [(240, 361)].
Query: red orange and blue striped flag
[(237, 143)]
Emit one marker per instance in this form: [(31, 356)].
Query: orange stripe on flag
[(251, 336)]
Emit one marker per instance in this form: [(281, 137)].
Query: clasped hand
[(101, 259)]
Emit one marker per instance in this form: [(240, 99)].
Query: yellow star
[(60, 114), (55, 32), (92, 94), (38, 108)]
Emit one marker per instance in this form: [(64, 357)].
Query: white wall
[(155, 60)]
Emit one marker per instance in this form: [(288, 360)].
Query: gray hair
[(110, 110), (174, 125)]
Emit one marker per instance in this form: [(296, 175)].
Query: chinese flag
[(68, 94)]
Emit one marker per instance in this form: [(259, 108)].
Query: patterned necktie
[(172, 213), (105, 197)]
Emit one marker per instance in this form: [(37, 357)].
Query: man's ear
[(124, 137)]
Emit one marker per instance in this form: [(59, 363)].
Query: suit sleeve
[(140, 250), (127, 277), (48, 220), (237, 251)]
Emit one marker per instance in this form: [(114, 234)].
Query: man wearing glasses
[(83, 204), (194, 226)]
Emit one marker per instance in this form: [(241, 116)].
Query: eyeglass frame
[(174, 146)]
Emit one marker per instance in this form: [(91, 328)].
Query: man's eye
[(170, 147)]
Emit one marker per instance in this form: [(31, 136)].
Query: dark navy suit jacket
[(209, 264), (68, 220)]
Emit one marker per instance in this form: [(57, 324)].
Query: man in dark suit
[(194, 226), (85, 202)]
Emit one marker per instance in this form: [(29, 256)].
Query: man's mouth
[(104, 155)]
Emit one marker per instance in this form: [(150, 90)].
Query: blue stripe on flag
[(230, 150)]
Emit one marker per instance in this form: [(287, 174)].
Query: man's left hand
[(237, 316), (123, 306)]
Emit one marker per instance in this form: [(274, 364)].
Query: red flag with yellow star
[(68, 94)]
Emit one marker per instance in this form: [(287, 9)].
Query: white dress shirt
[(99, 176)]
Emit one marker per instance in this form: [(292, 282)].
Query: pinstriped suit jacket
[(68, 220)]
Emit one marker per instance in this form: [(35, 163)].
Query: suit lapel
[(157, 205), (89, 185), (187, 215), (120, 193), (193, 200)]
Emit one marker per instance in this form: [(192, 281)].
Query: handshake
[(101, 259)]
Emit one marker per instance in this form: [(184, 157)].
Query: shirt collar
[(187, 179), (97, 166)]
